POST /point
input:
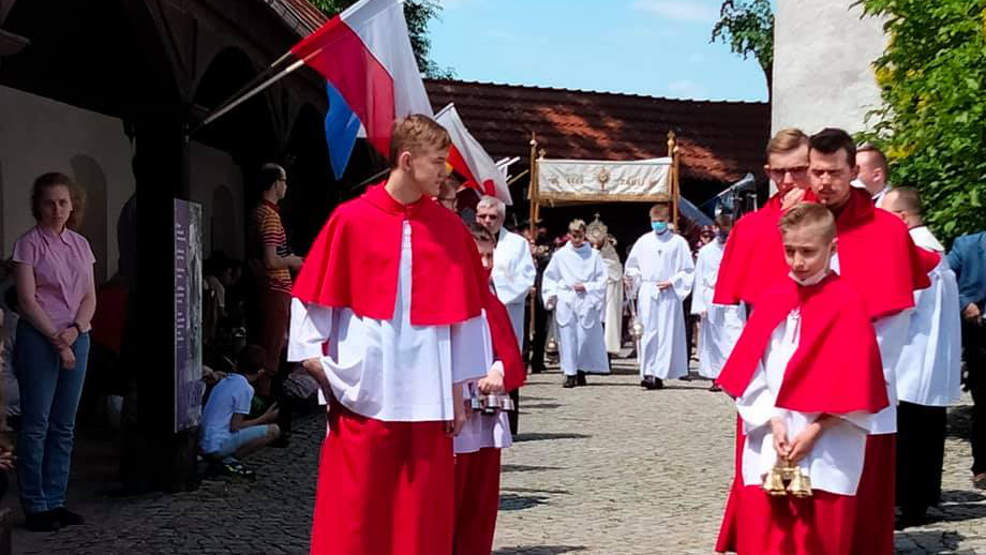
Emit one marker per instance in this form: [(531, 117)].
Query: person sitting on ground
[(226, 434)]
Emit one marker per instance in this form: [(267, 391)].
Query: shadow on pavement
[(930, 541), (547, 436), (527, 468), (540, 550), (512, 502)]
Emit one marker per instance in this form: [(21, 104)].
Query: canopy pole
[(673, 153), (532, 195)]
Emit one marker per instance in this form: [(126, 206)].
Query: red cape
[(355, 259), (505, 347), (836, 368), (878, 258), (754, 256)]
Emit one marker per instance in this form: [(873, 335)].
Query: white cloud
[(680, 10)]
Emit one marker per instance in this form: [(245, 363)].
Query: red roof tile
[(719, 141)]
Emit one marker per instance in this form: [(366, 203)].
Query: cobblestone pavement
[(605, 469)]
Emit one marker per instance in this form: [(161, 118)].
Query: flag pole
[(257, 90), (256, 79)]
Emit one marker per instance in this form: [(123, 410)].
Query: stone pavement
[(606, 469)]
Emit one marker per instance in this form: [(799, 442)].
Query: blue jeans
[(49, 399)]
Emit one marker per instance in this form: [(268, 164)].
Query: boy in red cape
[(477, 447), (387, 316), (808, 381)]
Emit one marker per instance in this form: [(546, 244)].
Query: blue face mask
[(659, 227)]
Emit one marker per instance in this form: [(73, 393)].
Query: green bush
[(933, 124)]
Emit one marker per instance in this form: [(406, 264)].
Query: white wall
[(822, 72), (39, 135)]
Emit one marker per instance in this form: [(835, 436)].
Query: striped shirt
[(268, 232)]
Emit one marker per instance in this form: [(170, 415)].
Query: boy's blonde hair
[(809, 214), (414, 133), (577, 225)]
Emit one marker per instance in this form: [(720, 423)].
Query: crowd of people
[(829, 315)]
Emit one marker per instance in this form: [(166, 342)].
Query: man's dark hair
[(830, 141), (270, 173), (251, 360)]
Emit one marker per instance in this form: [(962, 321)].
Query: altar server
[(660, 272), (574, 286), (387, 316)]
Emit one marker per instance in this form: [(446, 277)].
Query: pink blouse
[(62, 271)]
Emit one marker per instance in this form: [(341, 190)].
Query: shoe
[(903, 521), (714, 387), (537, 369), (233, 467), (66, 517), (570, 382), (580, 378), (658, 383), (43, 521)]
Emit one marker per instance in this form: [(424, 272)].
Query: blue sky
[(650, 47)]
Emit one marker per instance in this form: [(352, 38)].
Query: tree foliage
[(933, 122), (418, 14), (748, 27)]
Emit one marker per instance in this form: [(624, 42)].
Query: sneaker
[(66, 517), (43, 521), (233, 467), (580, 378), (570, 382)]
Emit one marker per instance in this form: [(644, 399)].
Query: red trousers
[(876, 497), (477, 500), (384, 488)]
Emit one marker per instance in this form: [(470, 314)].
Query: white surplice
[(389, 369), (663, 352), (721, 325), (929, 368), (891, 336), (513, 276), (578, 315), (613, 313), (835, 462)]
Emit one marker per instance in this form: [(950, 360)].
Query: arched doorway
[(90, 178)]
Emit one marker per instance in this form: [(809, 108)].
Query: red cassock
[(878, 259), (477, 475), (387, 488), (836, 369)]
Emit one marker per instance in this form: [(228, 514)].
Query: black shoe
[(537, 369), (908, 520), (43, 521), (66, 517), (714, 387), (654, 383), (570, 382), (649, 382), (580, 378)]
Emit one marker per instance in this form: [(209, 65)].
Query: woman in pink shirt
[(57, 299)]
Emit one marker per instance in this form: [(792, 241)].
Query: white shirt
[(389, 369), (513, 268)]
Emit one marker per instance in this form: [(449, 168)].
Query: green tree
[(418, 14), (933, 121), (748, 27)]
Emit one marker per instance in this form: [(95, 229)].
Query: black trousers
[(974, 351), (540, 335), (920, 455)]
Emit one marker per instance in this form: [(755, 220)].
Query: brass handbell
[(637, 329), (773, 483), (800, 485), (552, 346)]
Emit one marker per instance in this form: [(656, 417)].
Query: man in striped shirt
[(272, 262)]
